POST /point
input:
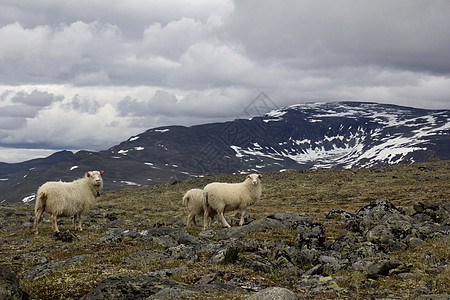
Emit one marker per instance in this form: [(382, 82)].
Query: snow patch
[(29, 198), (161, 130), (130, 183)]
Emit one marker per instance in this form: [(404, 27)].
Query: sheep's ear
[(248, 176), (101, 172), (88, 174), (260, 176)]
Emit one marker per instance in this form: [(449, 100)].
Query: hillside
[(303, 136), (318, 233)]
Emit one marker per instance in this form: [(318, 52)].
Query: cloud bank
[(89, 74)]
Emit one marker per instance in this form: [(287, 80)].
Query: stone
[(316, 283), (130, 287), (43, 269), (182, 252), (10, 287), (310, 233), (165, 272), (383, 267), (379, 234), (67, 237), (274, 293)]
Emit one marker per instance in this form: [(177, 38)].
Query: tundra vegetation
[(140, 233)]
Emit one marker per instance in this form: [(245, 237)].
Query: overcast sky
[(83, 74)]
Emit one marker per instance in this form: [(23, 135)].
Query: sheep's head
[(255, 178), (96, 177)]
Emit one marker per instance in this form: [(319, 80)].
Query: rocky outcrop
[(310, 263)]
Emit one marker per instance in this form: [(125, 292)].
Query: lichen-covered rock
[(310, 233), (316, 283), (274, 293)]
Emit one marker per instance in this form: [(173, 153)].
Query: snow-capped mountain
[(349, 134), (303, 136)]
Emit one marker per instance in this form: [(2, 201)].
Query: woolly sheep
[(66, 199), (222, 197), (193, 200)]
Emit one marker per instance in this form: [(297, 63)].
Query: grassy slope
[(313, 191)]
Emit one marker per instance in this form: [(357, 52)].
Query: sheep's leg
[(79, 222), (241, 221), (36, 220), (205, 219), (55, 226), (222, 218), (75, 222), (210, 220), (193, 221), (189, 220)]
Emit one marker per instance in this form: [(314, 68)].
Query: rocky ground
[(375, 233)]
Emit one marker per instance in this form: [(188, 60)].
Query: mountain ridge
[(302, 136)]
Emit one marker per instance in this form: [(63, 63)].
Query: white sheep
[(222, 197), (193, 200), (66, 199)]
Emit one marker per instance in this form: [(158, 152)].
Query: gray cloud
[(122, 67), (35, 98), (328, 34)]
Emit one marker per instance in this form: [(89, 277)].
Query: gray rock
[(257, 263), (275, 221), (316, 283), (383, 267), (274, 293), (379, 234), (310, 233), (67, 236), (209, 234), (340, 215), (10, 287), (40, 270), (164, 242), (165, 272), (182, 252), (330, 264), (246, 285), (225, 256), (130, 287), (208, 278)]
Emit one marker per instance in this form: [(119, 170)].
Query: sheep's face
[(95, 177), (255, 178)]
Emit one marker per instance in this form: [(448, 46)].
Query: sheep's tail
[(185, 200), (41, 201), (205, 198)]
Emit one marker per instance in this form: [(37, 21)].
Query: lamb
[(222, 197), (66, 199), (193, 200)]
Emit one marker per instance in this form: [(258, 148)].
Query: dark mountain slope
[(303, 136)]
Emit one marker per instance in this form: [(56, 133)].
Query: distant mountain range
[(303, 136)]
